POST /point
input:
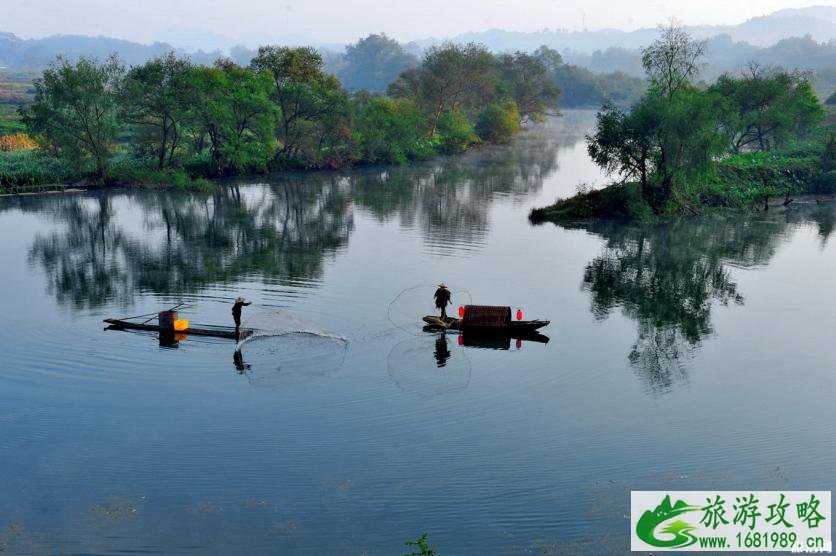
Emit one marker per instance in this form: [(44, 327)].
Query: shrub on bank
[(455, 133), (16, 142), (20, 169), (499, 122), (133, 172)]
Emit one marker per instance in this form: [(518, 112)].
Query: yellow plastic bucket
[(181, 325)]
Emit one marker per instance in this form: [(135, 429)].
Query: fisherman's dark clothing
[(236, 312), (442, 299)]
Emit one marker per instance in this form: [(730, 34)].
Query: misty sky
[(222, 23)]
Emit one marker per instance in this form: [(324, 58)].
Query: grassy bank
[(26, 171), (744, 181)]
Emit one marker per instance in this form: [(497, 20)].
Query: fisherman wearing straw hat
[(236, 312), (442, 299)]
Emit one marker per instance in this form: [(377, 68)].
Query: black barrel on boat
[(486, 316), (166, 320)]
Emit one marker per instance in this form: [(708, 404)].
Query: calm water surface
[(695, 354)]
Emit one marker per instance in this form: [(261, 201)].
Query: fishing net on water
[(270, 324), (429, 366), (411, 305), (287, 348)]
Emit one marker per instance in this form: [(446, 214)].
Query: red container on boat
[(486, 316)]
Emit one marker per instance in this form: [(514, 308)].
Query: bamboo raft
[(197, 330)]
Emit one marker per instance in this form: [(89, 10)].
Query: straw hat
[(240, 300), (442, 285)]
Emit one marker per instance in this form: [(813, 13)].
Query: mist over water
[(673, 348)]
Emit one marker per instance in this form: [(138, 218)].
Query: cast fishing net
[(429, 365), (407, 309), (284, 347)]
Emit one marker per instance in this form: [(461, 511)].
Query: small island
[(686, 146)]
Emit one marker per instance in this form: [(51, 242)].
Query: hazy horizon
[(223, 23)]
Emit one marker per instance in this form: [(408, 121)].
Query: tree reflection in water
[(281, 228), (668, 277), (188, 241)]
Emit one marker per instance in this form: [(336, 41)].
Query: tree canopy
[(373, 62), (75, 110)]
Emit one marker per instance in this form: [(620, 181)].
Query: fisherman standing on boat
[(236, 313), (442, 299)]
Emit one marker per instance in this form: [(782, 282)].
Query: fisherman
[(442, 299), (236, 312)]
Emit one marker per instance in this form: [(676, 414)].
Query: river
[(693, 354)]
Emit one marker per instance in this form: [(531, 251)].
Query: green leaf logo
[(681, 531)]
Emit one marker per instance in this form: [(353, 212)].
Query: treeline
[(281, 110), (724, 55), (374, 62), (738, 141)]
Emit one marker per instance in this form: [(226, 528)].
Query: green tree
[(155, 99), (498, 122), (389, 130), (670, 138), (455, 132), (75, 110), (372, 63), (579, 86), (828, 157), (763, 108), (687, 142), (304, 94), (623, 142), (549, 57), (233, 110), (407, 85), (672, 61), (528, 82), (665, 143), (455, 77)]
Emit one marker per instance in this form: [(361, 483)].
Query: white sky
[(227, 22)]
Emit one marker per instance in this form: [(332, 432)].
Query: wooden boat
[(436, 323), (196, 330), (484, 319)]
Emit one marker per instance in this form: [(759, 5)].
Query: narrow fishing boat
[(485, 319), (169, 322)]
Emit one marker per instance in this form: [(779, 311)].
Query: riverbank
[(33, 171)]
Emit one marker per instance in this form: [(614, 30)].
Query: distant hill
[(817, 21), (35, 54), (796, 38)]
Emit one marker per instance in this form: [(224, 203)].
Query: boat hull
[(212, 331), (512, 328)]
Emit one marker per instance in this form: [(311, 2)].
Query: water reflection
[(442, 350), (448, 200), (282, 229), (668, 277), (187, 242), (424, 367)]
